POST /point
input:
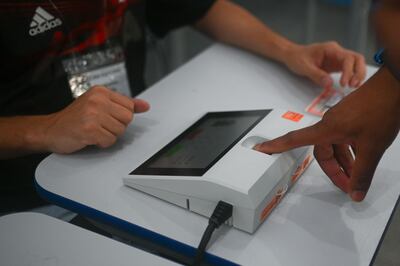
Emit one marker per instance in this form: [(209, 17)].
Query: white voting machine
[(213, 160)]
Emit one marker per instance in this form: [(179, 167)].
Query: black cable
[(222, 212)]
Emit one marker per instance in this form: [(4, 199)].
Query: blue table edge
[(127, 226), (395, 208), (158, 238)]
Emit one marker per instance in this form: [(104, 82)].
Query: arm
[(367, 121), (98, 117), (21, 135), (386, 20), (229, 23)]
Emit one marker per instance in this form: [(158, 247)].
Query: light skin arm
[(98, 118), (230, 23), (367, 121), (91, 121)]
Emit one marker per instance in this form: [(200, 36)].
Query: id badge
[(104, 67)]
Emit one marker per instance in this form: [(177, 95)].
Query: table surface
[(39, 240), (315, 224)]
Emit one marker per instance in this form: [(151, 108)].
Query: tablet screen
[(202, 145)]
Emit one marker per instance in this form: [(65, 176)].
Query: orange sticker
[(268, 209), (306, 162), (271, 205), (296, 174), (300, 169), (296, 117)]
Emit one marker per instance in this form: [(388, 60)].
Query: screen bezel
[(144, 169)]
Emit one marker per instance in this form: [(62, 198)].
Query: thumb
[(319, 76), (294, 139), (366, 162), (140, 106)]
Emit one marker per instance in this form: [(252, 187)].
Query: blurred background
[(302, 21)]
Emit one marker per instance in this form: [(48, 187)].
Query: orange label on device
[(271, 205), (296, 117)]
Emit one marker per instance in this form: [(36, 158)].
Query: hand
[(367, 121), (316, 61), (97, 117)]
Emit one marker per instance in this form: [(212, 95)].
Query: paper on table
[(327, 99)]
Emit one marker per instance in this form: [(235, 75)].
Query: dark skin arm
[(386, 20), (367, 121)]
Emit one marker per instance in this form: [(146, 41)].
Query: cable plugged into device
[(222, 212)]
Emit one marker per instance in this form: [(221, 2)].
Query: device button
[(252, 141)]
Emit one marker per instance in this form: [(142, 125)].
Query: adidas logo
[(42, 21)]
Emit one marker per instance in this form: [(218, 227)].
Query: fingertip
[(358, 195), (366, 162), (358, 81), (257, 147), (360, 68), (354, 82), (344, 81), (262, 147), (140, 105), (327, 82)]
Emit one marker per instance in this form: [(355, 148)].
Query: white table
[(314, 225), (38, 240)]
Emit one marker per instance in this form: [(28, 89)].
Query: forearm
[(387, 19), (229, 23), (22, 135), (98, 117)]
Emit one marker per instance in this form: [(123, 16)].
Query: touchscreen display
[(201, 145)]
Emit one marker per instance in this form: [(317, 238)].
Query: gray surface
[(388, 254), (33, 239)]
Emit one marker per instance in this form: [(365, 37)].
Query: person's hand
[(366, 121), (316, 61), (97, 117)]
